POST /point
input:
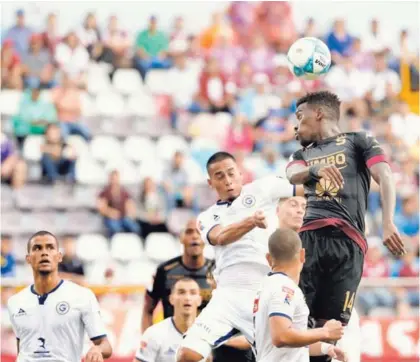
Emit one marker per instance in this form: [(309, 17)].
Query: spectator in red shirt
[(376, 266), (240, 136), (117, 207), (10, 67)]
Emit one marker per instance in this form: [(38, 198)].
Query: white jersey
[(234, 261), (52, 327), (279, 296), (160, 342)]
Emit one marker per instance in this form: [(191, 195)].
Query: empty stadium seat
[(11, 222), (169, 144), (88, 105), (151, 168), (128, 172), (98, 79), (127, 81), (142, 105), (157, 82), (138, 148), (80, 222), (110, 104), (202, 149), (32, 148), (90, 172), (140, 273), (126, 247), (177, 219), (34, 197), (9, 101), (79, 144), (105, 148), (7, 198), (92, 247), (161, 247)]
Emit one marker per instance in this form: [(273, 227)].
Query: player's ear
[(269, 260), (209, 183), (60, 256), (171, 299), (28, 259), (302, 255)]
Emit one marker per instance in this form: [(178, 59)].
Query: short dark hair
[(284, 244), (327, 100), (40, 233), (185, 279), (219, 156)]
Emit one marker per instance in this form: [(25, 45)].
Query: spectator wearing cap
[(34, 114), (13, 168), (37, 65), (151, 49), (19, 34), (8, 261), (58, 158), (338, 40), (10, 66)]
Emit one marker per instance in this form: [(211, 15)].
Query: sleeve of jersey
[(370, 148), (282, 302), (91, 317), (205, 223), (148, 347), (296, 159), (12, 321), (277, 187)]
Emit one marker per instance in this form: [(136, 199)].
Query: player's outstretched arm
[(101, 350), (382, 174), (284, 335)]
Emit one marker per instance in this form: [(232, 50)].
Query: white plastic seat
[(140, 272), (79, 144), (104, 148), (92, 247), (110, 104), (142, 105), (89, 172), (194, 171), (138, 148), (127, 81), (161, 247), (128, 172), (152, 168), (167, 146), (98, 79), (32, 148), (156, 80), (88, 105), (9, 101), (126, 247)]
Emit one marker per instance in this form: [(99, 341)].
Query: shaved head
[(284, 245)]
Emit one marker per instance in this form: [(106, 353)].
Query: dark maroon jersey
[(353, 154)]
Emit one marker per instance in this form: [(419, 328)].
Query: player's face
[(186, 297), (291, 212), (191, 239), (43, 254), (226, 179), (308, 123)]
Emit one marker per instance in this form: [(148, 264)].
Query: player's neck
[(292, 271), (43, 284), (183, 323), (192, 262), (329, 131)]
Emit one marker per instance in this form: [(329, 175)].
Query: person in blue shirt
[(339, 41), (19, 34), (8, 261), (407, 219)]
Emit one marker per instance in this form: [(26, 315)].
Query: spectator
[(116, 44), (407, 220), (405, 124), (242, 78), (10, 67), (37, 67), (374, 40), (72, 58), (151, 49), (178, 32), (19, 34), (362, 59), (240, 136), (71, 267), (339, 40), (209, 35), (227, 54), (89, 34), (34, 115), (58, 158), (67, 99), (271, 163), (13, 168), (151, 211), (117, 207), (242, 17), (310, 29), (247, 174), (8, 261), (51, 36), (177, 185), (260, 56), (376, 266)]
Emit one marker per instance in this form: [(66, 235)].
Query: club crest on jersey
[(248, 201), (289, 294), (62, 308)]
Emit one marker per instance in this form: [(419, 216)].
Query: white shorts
[(229, 313)]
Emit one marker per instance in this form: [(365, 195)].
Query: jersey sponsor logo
[(289, 294), (62, 308), (325, 190), (171, 350), (248, 201), (338, 159), (41, 351)]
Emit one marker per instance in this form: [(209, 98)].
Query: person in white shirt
[(238, 229), (160, 342), (50, 317), (280, 311)]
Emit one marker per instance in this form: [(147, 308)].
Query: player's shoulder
[(20, 297), (158, 330), (170, 264), (73, 290), (279, 280)]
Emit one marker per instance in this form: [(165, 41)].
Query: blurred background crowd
[(105, 132)]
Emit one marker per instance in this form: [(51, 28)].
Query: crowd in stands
[(165, 100)]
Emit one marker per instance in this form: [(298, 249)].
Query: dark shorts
[(331, 273), (229, 354)]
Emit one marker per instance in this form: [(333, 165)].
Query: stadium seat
[(9, 101), (156, 81), (79, 144), (202, 149), (88, 105), (85, 196), (141, 105), (195, 173), (128, 172), (140, 273), (95, 271), (92, 247), (32, 148), (161, 247), (7, 198), (151, 168), (105, 148), (253, 163), (169, 144), (89, 172), (11, 222), (138, 148), (177, 219), (80, 222), (127, 81), (34, 197), (98, 79), (42, 220), (110, 104), (126, 247)]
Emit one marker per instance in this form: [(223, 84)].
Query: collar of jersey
[(274, 273), (228, 203), (51, 291), (173, 323)]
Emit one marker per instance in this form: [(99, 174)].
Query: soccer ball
[(309, 58)]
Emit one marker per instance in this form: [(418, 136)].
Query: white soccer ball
[(309, 58)]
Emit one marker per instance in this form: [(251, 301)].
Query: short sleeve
[(206, 221), (372, 152), (91, 317), (149, 347), (277, 187), (282, 302), (296, 158), (158, 288), (12, 320)]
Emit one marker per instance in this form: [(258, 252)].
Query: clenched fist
[(333, 330), (260, 220)]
